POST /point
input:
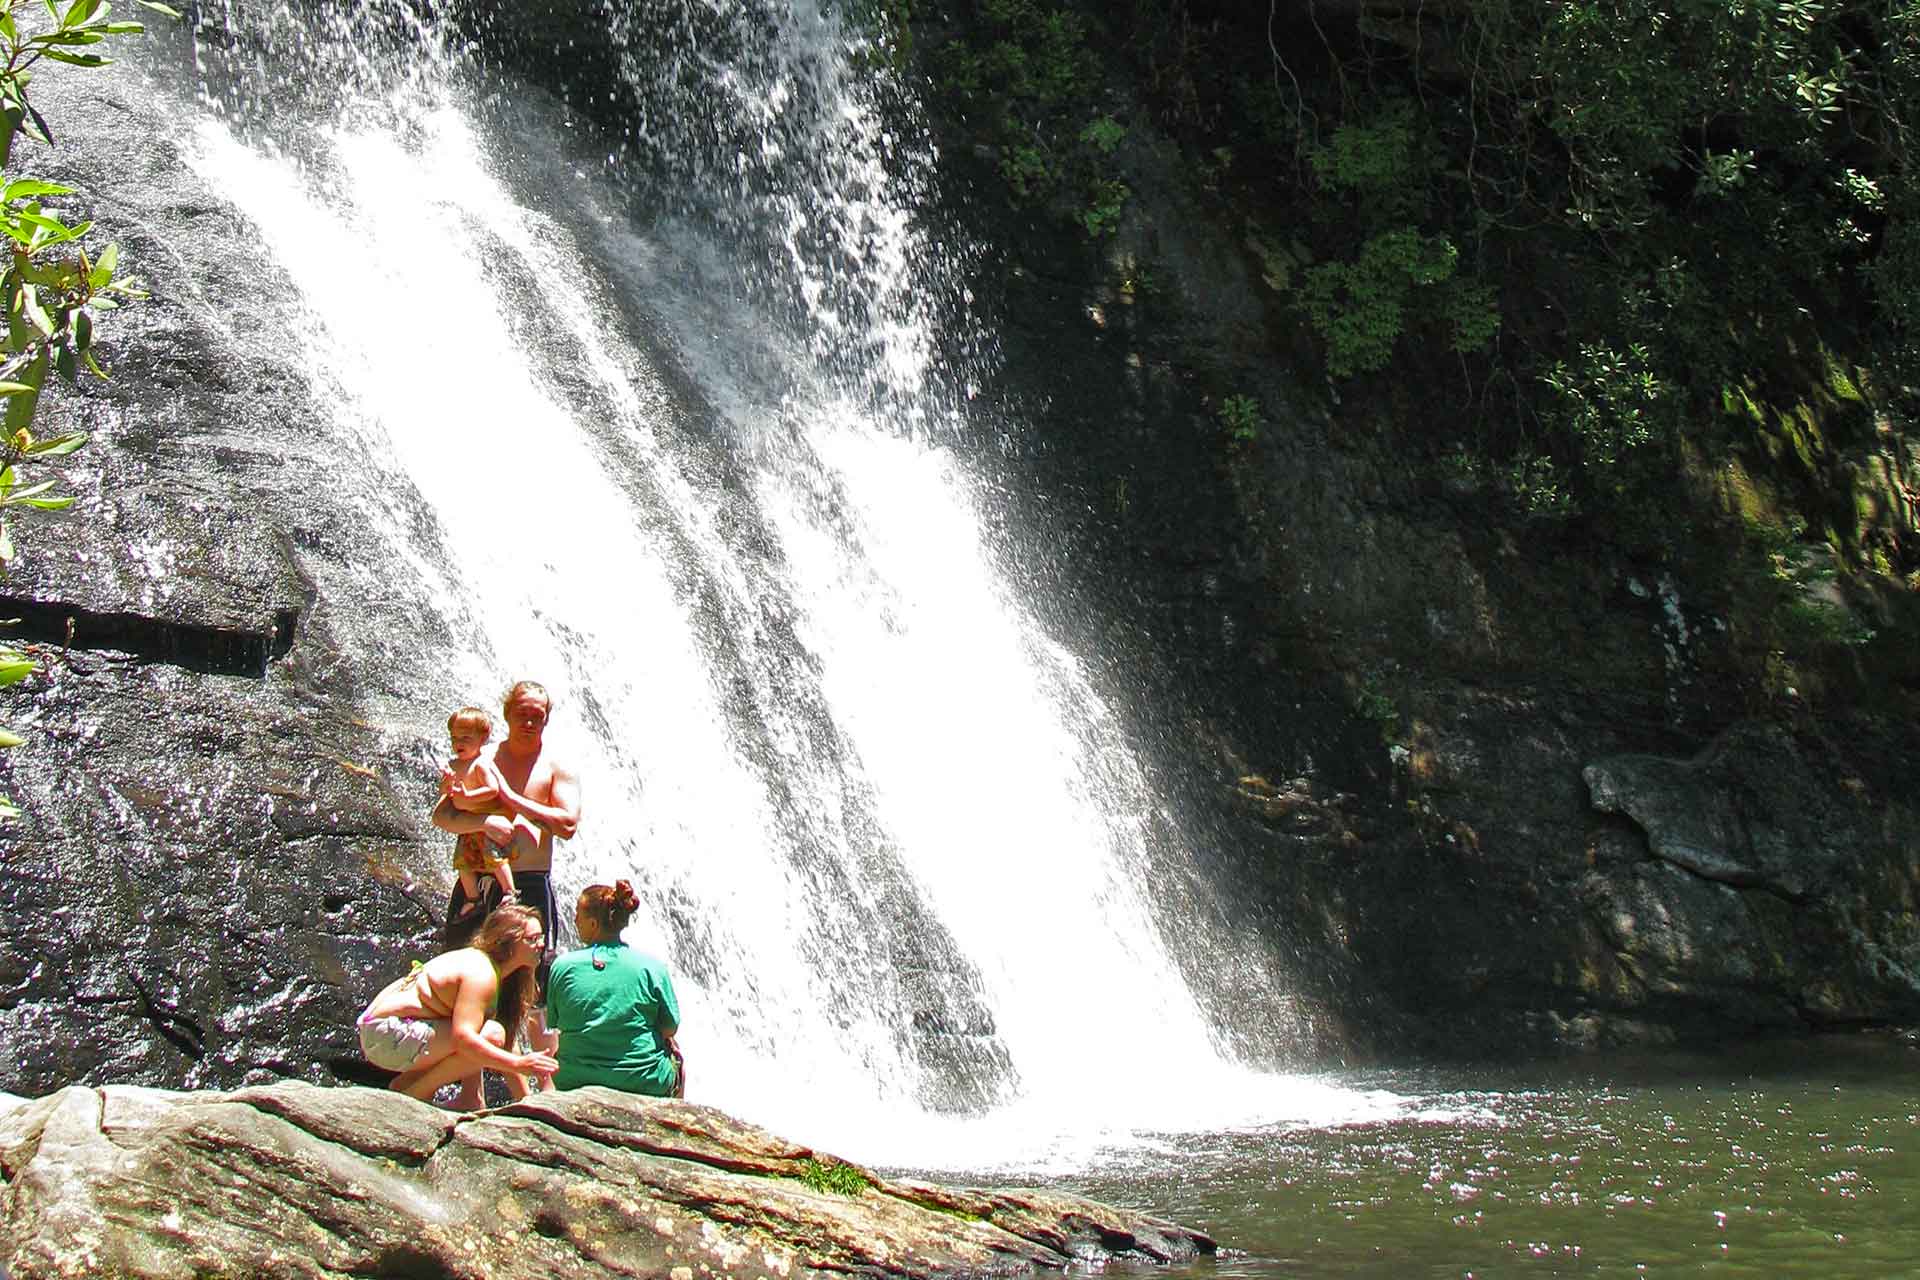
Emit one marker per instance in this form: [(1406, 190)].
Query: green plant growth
[(1806, 625), (1025, 70), (833, 1177), (53, 291), (1393, 273), (891, 25), (1539, 486), (1240, 418), (1373, 702), (1031, 55), (1102, 214), (1588, 218), (1104, 135), (15, 666), (1360, 307), (1803, 618), (1611, 402)]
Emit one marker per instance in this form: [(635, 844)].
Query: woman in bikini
[(449, 1019)]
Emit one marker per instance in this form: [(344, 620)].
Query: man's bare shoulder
[(546, 774)]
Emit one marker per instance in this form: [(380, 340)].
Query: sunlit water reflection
[(1797, 1161)]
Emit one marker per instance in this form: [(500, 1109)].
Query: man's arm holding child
[(500, 829), (561, 816)]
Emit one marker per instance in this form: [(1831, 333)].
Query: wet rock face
[(590, 1182), (211, 912), (213, 866), (1778, 879)]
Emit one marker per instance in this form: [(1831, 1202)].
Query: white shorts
[(395, 1043)]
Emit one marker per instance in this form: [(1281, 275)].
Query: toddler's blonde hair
[(470, 720)]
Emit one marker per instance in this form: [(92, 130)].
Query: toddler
[(470, 783)]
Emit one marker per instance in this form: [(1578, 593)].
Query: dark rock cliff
[(1500, 784)]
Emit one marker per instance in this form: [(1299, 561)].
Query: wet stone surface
[(584, 1183)]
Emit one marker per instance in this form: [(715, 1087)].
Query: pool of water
[(1795, 1160)]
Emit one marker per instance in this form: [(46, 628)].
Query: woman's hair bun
[(623, 895)]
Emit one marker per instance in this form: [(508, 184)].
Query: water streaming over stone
[(665, 428)]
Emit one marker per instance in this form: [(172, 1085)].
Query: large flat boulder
[(296, 1180)]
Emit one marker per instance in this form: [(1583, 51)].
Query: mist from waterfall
[(692, 471)]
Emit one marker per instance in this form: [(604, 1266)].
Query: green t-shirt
[(609, 1019)]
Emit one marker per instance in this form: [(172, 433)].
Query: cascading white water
[(887, 835)]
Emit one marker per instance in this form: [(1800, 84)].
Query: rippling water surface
[(1801, 1160)]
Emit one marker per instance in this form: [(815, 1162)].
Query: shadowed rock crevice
[(357, 1182), (201, 647), (177, 1029)]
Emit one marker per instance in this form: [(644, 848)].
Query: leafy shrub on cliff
[(1025, 74), (1360, 307), (1390, 272), (1590, 217)]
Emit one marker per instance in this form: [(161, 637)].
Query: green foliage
[(1029, 64), (833, 1177), (1026, 169), (1800, 616), (1360, 307), (1539, 485), (1895, 273), (1392, 275), (1806, 625), (1374, 160), (1611, 402), (891, 22), (1372, 701), (1033, 56), (1240, 417), (1104, 135), (1471, 313), (1593, 213), (1572, 223), (53, 291), (1102, 214), (15, 666)]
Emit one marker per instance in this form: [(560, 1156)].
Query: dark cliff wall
[(1506, 781)]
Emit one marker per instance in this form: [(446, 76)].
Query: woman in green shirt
[(613, 1006)]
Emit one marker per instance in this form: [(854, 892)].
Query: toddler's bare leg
[(469, 893), (504, 874)]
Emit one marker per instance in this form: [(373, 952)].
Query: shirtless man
[(543, 801)]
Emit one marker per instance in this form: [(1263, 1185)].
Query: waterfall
[(669, 430)]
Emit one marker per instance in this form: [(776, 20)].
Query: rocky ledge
[(296, 1180)]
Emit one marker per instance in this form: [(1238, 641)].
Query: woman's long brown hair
[(497, 937)]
